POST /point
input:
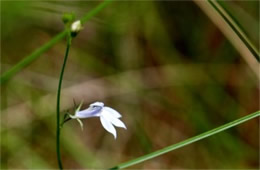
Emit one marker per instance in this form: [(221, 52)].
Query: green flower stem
[(187, 141), (65, 120), (38, 52), (58, 100)]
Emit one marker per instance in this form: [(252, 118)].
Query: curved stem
[(58, 102), (65, 120)]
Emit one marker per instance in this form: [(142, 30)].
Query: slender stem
[(96, 10), (64, 121), (187, 141), (58, 101), (235, 27), (30, 58), (233, 32)]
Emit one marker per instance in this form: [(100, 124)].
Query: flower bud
[(75, 28), (68, 18)]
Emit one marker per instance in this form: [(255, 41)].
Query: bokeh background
[(163, 65)]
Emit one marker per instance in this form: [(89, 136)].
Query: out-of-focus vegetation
[(163, 64)]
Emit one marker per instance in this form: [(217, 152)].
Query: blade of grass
[(235, 27), (232, 31), (38, 52), (30, 58), (187, 141)]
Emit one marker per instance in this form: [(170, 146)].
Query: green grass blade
[(232, 32), (235, 27), (38, 52), (93, 12), (187, 141), (30, 58)]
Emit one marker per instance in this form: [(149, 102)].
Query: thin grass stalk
[(236, 28), (232, 31), (187, 141), (30, 58)]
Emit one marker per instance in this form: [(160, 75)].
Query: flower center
[(95, 110)]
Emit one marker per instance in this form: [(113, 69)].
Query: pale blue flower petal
[(90, 112), (113, 112), (97, 104), (108, 126), (110, 117)]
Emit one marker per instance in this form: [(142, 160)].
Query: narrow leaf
[(187, 141)]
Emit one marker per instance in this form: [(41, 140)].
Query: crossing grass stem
[(187, 141)]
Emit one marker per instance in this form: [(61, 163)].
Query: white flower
[(76, 26), (108, 116)]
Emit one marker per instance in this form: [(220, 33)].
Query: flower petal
[(108, 126), (113, 112), (110, 117), (90, 112), (97, 104)]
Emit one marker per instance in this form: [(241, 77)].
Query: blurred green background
[(163, 65)]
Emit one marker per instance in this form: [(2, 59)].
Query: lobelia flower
[(108, 116)]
